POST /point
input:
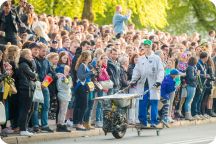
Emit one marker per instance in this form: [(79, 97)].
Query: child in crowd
[(167, 89), (53, 58), (182, 66), (64, 85)]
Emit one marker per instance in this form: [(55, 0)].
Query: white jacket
[(151, 69)]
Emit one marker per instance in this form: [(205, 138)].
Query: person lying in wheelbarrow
[(148, 74), (167, 89)]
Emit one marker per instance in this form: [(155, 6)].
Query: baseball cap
[(147, 42), (175, 72)]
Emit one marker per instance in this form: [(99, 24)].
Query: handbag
[(108, 84), (38, 94), (91, 86), (213, 93), (98, 86), (2, 113)]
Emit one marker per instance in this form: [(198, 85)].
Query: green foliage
[(190, 16), (145, 13), (175, 16), (69, 8)]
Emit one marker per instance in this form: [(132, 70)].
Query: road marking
[(193, 141)]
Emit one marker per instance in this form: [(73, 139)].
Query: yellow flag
[(6, 90)]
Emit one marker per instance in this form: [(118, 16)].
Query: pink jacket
[(103, 75)]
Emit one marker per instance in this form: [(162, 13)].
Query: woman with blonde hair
[(12, 57), (83, 88), (53, 58), (91, 95), (97, 55), (26, 89), (103, 76)]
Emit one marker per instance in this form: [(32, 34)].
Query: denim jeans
[(190, 95), (44, 111), (99, 108), (89, 108), (196, 104)]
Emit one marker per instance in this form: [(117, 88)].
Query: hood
[(24, 60)]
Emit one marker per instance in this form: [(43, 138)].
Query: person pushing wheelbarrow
[(148, 74)]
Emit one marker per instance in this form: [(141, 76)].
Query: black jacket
[(130, 71), (27, 76), (123, 78), (15, 18), (191, 76), (209, 81), (114, 73)]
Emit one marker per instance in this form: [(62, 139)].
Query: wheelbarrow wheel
[(119, 134)]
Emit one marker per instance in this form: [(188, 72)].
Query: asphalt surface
[(201, 134)]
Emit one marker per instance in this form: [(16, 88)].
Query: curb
[(191, 123), (98, 131), (51, 136)]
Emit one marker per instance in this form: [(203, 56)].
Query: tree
[(175, 16), (145, 13), (190, 16), (87, 11)]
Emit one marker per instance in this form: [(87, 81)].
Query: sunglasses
[(54, 42), (141, 49)]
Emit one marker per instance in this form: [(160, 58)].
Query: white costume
[(150, 68)]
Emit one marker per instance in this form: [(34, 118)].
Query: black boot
[(65, 129), (62, 128), (211, 113), (59, 128)]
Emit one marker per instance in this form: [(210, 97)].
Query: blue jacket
[(44, 68), (167, 87), (203, 70), (118, 22)]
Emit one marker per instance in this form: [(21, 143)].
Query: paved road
[(202, 134)]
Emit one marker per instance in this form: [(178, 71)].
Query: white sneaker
[(99, 124), (69, 123), (26, 133), (206, 116), (170, 120)]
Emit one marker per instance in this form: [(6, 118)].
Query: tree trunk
[(87, 11)]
